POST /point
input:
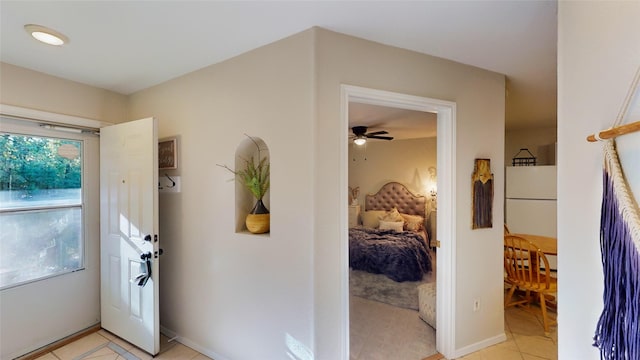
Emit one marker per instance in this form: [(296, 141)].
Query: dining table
[(546, 244)]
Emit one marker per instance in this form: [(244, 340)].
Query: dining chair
[(522, 264)]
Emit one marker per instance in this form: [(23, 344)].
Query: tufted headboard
[(395, 194)]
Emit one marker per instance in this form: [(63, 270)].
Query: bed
[(392, 239)]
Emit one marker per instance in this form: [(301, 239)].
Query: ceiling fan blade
[(382, 132), (380, 137)]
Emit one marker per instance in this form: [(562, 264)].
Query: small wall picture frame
[(168, 154)]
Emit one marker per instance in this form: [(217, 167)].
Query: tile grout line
[(82, 356), (111, 345), (122, 351), (515, 342), (547, 338)]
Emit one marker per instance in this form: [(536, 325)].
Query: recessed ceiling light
[(46, 35)]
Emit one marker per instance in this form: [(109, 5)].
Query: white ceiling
[(126, 46)]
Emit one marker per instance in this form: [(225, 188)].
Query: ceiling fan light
[(46, 35), (361, 140)]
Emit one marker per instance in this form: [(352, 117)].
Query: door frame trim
[(446, 165)]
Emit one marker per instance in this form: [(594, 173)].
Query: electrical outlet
[(476, 304)]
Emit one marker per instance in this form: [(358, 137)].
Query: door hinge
[(438, 243)]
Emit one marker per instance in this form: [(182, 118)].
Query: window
[(41, 210)]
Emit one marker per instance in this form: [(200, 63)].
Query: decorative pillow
[(413, 222), (427, 303), (392, 215), (391, 225), (371, 218)]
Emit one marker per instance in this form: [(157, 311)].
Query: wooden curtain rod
[(616, 131)]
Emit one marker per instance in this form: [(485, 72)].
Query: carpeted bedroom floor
[(384, 321), (382, 331), (380, 288)]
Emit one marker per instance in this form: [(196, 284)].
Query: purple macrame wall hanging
[(618, 330)]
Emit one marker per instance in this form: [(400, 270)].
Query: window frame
[(28, 128)]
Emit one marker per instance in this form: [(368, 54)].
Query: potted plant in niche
[(255, 177)]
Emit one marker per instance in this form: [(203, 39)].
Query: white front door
[(129, 244)]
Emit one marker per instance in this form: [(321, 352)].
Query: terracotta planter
[(258, 221)]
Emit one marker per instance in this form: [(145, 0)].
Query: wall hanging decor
[(354, 192), (482, 190), (168, 154), (617, 331)]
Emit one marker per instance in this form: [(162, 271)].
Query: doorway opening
[(445, 185)]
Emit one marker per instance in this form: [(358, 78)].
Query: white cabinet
[(531, 182), (531, 206), (531, 200), (354, 214)]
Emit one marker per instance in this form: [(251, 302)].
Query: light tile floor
[(525, 338), (378, 331), (103, 345), (382, 331)]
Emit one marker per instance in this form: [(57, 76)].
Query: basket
[(519, 160)]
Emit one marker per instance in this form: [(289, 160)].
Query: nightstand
[(354, 214)]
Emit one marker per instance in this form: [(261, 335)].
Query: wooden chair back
[(522, 264)]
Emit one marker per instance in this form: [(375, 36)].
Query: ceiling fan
[(360, 135)]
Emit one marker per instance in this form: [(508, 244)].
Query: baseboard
[(187, 342), (479, 345), (59, 343)]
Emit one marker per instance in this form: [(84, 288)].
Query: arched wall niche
[(256, 148)]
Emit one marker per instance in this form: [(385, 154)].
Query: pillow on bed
[(413, 222), (391, 225), (392, 215), (371, 218)]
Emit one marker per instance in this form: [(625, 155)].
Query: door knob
[(145, 268)]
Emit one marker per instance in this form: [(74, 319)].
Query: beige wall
[(34, 90), (479, 96), (231, 295), (404, 161), (596, 65)]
